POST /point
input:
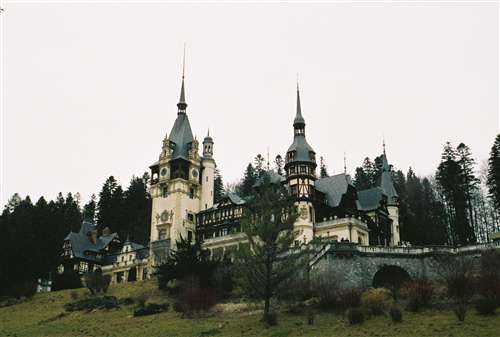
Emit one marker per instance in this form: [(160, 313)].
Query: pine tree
[(218, 186), (259, 165), (266, 263), (249, 180), (279, 163), (361, 179), (323, 173), (136, 205), (470, 183), (89, 210), (449, 176), (72, 215), (110, 207), (493, 175)]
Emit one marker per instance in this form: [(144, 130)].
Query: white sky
[(89, 90)]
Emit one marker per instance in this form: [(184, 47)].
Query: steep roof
[(182, 136), (386, 183), (81, 243), (334, 187), (273, 176), (369, 200)]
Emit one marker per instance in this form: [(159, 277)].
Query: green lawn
[(41, 316)]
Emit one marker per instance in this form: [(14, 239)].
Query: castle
[(182, 192)]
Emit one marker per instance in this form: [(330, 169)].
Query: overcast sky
[(89, 90)]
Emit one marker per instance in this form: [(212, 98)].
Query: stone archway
[(390, 276)]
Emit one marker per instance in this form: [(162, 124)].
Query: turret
[(208, 173), (387, 186), (300, 168)]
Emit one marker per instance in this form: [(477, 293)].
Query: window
[(191, 217), (303, 169), (190, 235), (164, 191), (224, 231), (292, 169), (162, 234), (294, 189), (191, 193)]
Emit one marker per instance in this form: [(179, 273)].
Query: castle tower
[(388, 189), (207, 173), (300, 168), (177, 185)]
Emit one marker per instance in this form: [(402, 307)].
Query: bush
[(271, 319), (486, 306), (23, 289), (419, 294), (296, 308), (151, 309), (349, 298), (310, 316), (325, 288), (178, 307), (459, 280), (73, 295), (377, 300), (96, 282), (88, 304), (355, 316), (396, 314), (67, 280), (460, 311), (194, 300), (126, 301)]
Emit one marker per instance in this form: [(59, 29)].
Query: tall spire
[(345, 164), (182, 105), (299, 120)]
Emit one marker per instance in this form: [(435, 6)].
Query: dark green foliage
[(267, 262), (245, 188), (31, 239), (486, 306), (177, 307), (310, 316), (93, 303), (218, 186), (493, 176), (279, 163), (96, 282), (89, 210), (396, 314), (355, 316), (222, 279), (190, 263), (195, 300), (151, 309), (455, 180), (126, 301), (67, 280), (323, 173), (271, 318), (259, 165), (460, 311)]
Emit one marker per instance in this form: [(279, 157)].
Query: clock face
[(163, 171), (194, 173)]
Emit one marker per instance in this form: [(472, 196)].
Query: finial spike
[(383, 143), (345, 164), (184, 61), (208, 132), (268, 158), (297, 81)]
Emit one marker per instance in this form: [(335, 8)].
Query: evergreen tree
[(249, 180), (469, 181), (323, 173), (218, 186), (89, 210), (361, 179), (136, 209), (370, 170), (110, 207), (259, 165), (72, 215), (493, 175), (265, 264), (450, 178), (279, 163)]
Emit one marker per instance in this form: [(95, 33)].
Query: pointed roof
[(298, 116), (182, 136), (334, 187), (182, 105), (386, 183), (300, 146)]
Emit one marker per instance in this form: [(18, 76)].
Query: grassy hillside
[(44, 315)]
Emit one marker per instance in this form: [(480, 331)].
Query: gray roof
[(298, 117), (235, 199), (80, 242), (386, 183), (182, 136), (334, 188), (369, 200), (302, 149)]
